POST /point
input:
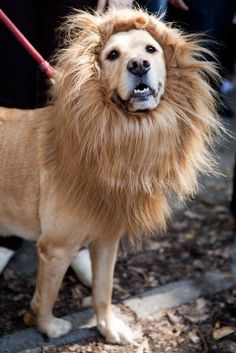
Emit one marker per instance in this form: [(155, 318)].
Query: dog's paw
[(55, 327), (115, 331)]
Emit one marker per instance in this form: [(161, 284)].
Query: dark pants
[(214, 19), (153, 5), (22, 85)]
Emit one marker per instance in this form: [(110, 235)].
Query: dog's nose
[(138, 66)]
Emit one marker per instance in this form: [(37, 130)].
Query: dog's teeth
[(143, 90)]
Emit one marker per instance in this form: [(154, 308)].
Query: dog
[(126, 132)]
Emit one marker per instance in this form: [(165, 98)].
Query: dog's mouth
[(142, 97), (141, 92)]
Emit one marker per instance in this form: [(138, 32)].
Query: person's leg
[(17, 68), (48, 36), (213, 18)]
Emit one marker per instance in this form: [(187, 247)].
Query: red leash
[(43, 64)]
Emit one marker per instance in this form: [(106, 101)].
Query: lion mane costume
[(132, 165)]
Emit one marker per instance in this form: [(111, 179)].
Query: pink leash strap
[(43, 64)]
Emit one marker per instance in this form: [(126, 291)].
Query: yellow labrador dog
[(126, 131)]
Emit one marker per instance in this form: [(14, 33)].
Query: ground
[(200, 237), (191, 328)]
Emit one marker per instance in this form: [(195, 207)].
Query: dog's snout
[(138, 66)]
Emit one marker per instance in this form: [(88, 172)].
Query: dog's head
[(133, 66), (118, 54)]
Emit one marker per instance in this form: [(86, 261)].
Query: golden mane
[(124, 169)]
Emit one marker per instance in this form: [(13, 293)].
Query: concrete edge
[(144, 306), (181, 292)]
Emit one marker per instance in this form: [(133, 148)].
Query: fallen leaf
[(29, 319), (223, 332), (21, 312), (119, 288), (194, 337), (174, 319), (8, 274), (76, 293), (193, 215), (86, 302)]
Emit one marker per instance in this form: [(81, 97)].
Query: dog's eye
[(150, 49), (113, 55)]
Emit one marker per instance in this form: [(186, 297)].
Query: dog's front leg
[(103, 255), (53, 263)]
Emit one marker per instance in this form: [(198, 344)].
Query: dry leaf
[(76, 293), (193, 215), (29, 319), (223, 332), (8, 274), (21, 312), (119, 288), (86, 302), (174, 319), (194, 337)]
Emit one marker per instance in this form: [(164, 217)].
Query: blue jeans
[(154, 5)]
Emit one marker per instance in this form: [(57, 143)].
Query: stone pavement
[(146, 305)]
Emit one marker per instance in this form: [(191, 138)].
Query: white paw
[(55, 327), (115, 331)]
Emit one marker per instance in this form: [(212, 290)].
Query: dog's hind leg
[(103, 256), (53, 263)]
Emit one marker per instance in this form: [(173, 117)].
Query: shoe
[(5, 256), (8, 247), (82, 267)]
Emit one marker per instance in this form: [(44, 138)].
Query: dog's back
[(19, 173)]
